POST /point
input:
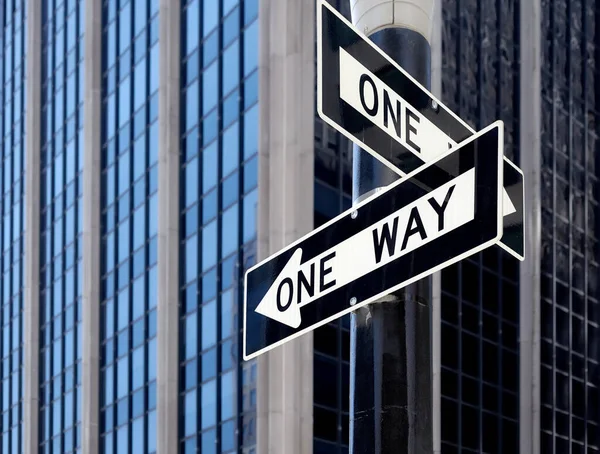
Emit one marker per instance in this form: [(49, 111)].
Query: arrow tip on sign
[(279, 303), (507, 206)]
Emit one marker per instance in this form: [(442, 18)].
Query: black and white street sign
[(443, 212), (370, 99)]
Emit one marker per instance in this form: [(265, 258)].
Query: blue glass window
[(209, 246), (230, 226), (209, 167), (250, 132), (192, 25), (209, 323), (190, 413), (211, 16), (210, 87), (231, 59), (250, 212), (230, 149), (191, 182), (191, 105), (209, 404), (191, 257), (250, 48), (210, 48)]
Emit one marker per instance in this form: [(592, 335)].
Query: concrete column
[(31, 304), (285, 208), (436, 279), (92, 169), (168, 228), (530, 146)]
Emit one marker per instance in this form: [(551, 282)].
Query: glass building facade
[(219, 145), (12, 143), (129, 218), (60, 225), (480, 295), (570, 288), (332, 195)]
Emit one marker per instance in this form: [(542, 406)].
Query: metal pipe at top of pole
[(391, 381)]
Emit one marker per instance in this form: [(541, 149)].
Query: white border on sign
[(354, 139), (499, 231)]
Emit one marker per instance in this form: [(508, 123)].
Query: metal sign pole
[(390, 368)]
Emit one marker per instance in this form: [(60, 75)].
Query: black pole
[(390, 363)]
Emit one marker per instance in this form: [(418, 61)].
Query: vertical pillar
[(391, 375), (285, 208), (168, 228), (91, 235), (31, 311), (436, 278), (530, 146)]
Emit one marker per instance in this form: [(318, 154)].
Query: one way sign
[(369, 98), (445, 211)]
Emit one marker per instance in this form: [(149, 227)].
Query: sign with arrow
[(447, 210), (369, 98)]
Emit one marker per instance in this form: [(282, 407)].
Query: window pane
[(228, 395), (230, 226), (192, 25), (211, 16), (209, 246), (191, 335), (139, 227), (209, 404), (228, 5), (249, 216), (191, 182), (152, 431), (122, 377), (250, 132), (209, 324), (190, 413), (137, 368), (209, 167), (250, 48), (141, 17), (137, 433), (210, 87), (140, 85), (154, 62), (191, 105), (124, 19), (231, 67), (231, 147), (191, 259)]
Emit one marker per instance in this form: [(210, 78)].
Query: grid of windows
[(480, 315), (570, 289), (12, 144), (219, 140), (60, 225), (129, 226), (332, 195)]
